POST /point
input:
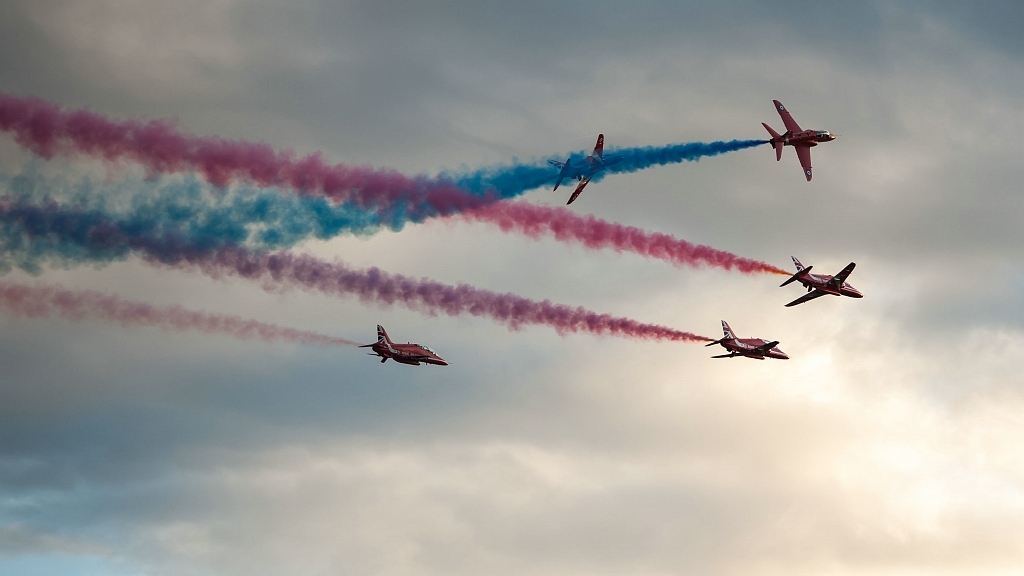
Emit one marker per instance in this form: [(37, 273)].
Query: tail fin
[(797, 263), (775, 141), (382, 335), (728, 331), (599, 147)]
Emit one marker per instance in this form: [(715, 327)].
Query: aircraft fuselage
[(829, 285), (409, 353), (753, 348), (756, 348), (809, 138), (589, 166)]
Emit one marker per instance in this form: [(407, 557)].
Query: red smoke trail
[(566, 226), (46, 129), (44, 300), (282, 270)]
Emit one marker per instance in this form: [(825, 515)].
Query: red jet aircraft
[(585, 169), (758, 348), (412, 354), (800, 139), (822, 284)]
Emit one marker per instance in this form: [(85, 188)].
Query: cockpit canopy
[(428, 349)]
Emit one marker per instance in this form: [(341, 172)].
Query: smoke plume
[(47, 130), (42, 300), (33, 235), (594, 233)]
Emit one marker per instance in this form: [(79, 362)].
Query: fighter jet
[(757, 348), (412, 354), (584, 170), (820, 285), (800, 139)]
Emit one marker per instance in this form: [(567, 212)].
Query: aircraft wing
[(806, 297), (787, 119), (842, 276), (583, 184), (765, 348), (804, 154)]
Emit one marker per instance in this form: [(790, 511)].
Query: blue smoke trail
[(196, 214), (642, 158), (513, 180), (49, 219)]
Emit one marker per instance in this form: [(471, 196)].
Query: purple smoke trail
[(44, 300), (36, 233), (282, 270)]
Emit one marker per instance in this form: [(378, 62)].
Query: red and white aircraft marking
[(412, 354), (757, 348), (821, 284), (801, 140)]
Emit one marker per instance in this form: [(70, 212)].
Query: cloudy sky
[(891, 443)]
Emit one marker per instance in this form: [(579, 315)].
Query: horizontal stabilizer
[(563, 171), (733, 355), (797, 276), (713, 343), (776, 141)]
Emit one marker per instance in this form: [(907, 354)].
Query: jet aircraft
[(801, 140), (820, 284), (757, 348), (412, 354), (585, 169)]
